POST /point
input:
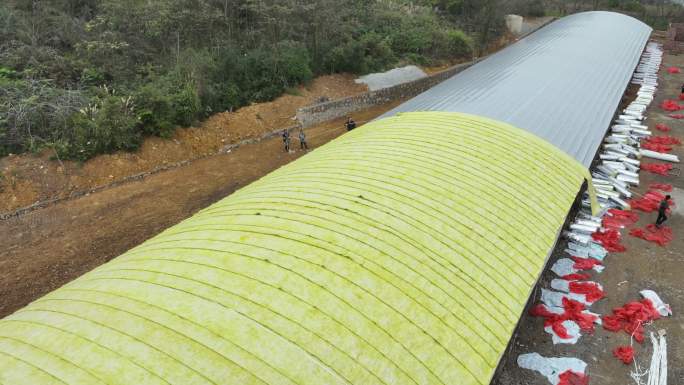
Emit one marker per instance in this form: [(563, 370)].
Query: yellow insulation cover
[(401, 253)]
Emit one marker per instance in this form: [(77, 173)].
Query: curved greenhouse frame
[(562, 83), (402, 252)]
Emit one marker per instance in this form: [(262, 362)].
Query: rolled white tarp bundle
[(620, 162), (659, 155), (646, 73), (657, 372)]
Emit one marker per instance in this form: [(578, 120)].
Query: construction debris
[(662, 308), (659, 156), (633, 315), (658, 235), (660, 186), (554, 369), (610, 240), (663, 127), (658, 369), (624, 354), (594, 233), (649, 202), (564, 323), (555, 298)]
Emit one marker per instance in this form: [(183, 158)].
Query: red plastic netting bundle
[(572, 310), (654, 195), (673, 70), (656, 147), (591, 290), (585, 263), (676, 116), (657, 168), (661, 236), (573, 378), (660, 186), (619, 219), (664, 139), (670, 105), (681, 96), (624, 354), (576, 277), (631, 318), (649, 202), (610, 240), (662, 126)]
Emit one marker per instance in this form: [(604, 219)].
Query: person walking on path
[(286, 140), (351, 124), (662, 211), (302, 140)]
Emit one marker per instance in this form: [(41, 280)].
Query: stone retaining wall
[(323, 112)]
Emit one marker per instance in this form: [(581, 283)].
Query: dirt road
[(643, 266), (27, 178), (49, 247)]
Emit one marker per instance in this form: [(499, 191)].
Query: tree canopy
[(92, 76)]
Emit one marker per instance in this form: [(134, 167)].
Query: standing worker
[(662, 210), (302, 140), (351, 124), (286, 140)]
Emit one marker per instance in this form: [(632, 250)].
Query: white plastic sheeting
[(551, 367), (563, 83), (378, 81)]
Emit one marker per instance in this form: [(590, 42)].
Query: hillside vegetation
[(657, 13), (93, 76), (85, 77)]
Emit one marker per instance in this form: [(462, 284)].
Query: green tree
[(177, 61)]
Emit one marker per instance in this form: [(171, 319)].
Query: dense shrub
[(635, 7), (185, 103), (369, 53), (92, 77), (34, 113), (346, 57), (154, 110), (451, 43), (536, 8), (8, 73), (262, 74), (109, 126), (174, 62)]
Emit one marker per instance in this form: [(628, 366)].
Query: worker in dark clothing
[(351, 124), (662, 211), (683, 88), (286, 140), (302, 140)]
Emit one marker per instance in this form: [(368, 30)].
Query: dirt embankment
[(27, 178), (46, 248)]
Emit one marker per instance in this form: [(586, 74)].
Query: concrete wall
[(323, 112)]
